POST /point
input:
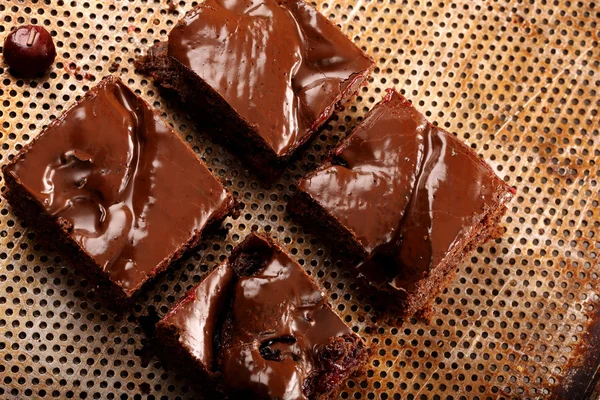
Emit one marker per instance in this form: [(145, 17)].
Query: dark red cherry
[(29, 51)]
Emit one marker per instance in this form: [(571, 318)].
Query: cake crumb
[(113, 67)]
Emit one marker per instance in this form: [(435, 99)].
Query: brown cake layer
[(409, 198), (262, 75), (112, 186), (259, 327)]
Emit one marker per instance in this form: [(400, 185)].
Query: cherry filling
[(279, 349)]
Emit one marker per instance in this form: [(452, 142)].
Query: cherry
[(29, 51)]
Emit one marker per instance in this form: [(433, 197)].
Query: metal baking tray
[(517, 80)]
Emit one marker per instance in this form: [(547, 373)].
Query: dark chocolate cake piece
[(114, 188), (409, 198), (265, 74), (258, 327)]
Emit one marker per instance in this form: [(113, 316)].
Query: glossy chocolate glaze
[(198, 315), (409, 191), (280, 64), (280, 320), (277, 321), (128, 188)]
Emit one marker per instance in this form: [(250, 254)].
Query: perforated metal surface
[(517, 80)]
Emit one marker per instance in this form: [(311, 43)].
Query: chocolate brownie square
[(409, 198), (114, 188), (259, 327), (265, 74)]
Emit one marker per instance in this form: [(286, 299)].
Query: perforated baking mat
[(518, 80)]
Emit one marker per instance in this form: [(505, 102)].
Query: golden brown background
[(516, 79)]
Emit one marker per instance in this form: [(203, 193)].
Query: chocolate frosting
[(280, 65), (128, 188), (198, 315), (280, 320), (274, 325), (409, 191)]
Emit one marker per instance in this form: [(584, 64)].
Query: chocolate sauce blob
[(29, 51)]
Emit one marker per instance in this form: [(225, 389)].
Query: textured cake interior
[(517, 80)]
